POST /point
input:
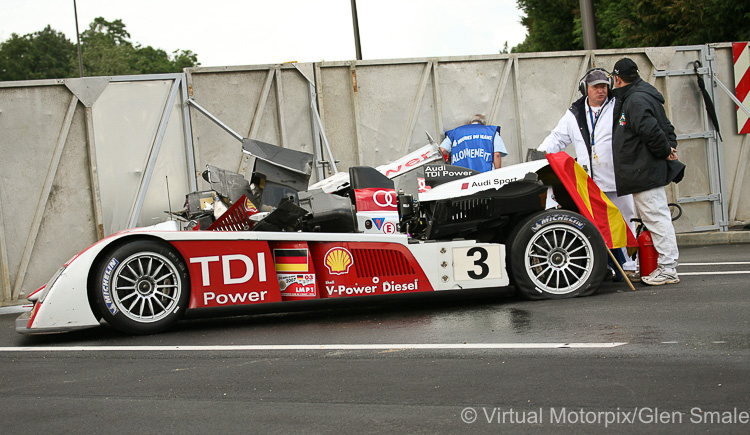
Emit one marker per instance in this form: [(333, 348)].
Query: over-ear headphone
[(582, 83)]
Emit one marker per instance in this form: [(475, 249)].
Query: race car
[(415, 225)]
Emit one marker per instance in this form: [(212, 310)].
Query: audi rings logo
[(385, 198)]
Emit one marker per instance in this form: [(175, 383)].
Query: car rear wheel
[(142, 287), (557, 254)]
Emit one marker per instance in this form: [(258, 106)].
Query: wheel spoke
[(573, 277), (572, 240), (164, 277), (576, 249), (541, 248), (130, 295), (544, 236), (158, 268), (166, 286), (161, 306), (136, 274), (130, 308), (127, 278), (565, 275), (549, 276), (151, 306), (166, 296), (541, 263)]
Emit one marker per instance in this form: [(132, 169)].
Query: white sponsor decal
[(442, 171), (106, 281), (557, 218), (498, 182), (293, 284), (384, 198), (386, 287), (234, 298), (398, 167), (226, 261)]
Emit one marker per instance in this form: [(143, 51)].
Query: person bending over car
[(476, 145)]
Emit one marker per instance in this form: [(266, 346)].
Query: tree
[(106, 47), (107, 50), (39, 55), (550, 25), (555, 25)]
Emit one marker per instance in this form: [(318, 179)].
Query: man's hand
[(673, 155), (446, 154)]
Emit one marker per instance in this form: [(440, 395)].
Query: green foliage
[(38, 55), (550, 25), (106, 47), (556, 25)]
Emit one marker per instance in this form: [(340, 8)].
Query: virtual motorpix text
[(637, 415)]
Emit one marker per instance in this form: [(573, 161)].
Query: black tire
[(142, 287), (557, 254)]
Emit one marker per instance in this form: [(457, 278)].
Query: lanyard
[(594, 119)]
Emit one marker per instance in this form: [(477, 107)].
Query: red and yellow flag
[(592, 202)]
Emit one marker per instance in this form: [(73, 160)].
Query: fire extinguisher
[(647, 254)]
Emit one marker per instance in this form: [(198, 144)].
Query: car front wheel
[(142, 287), (557, 254)]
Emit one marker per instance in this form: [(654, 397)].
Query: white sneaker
[(660, 276)]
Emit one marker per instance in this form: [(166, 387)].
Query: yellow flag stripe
[(616, 224), (582, 186)]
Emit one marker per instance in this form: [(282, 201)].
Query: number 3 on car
[(477, 262)]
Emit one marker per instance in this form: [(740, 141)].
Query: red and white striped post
[(741, 54)]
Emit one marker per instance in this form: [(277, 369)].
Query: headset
[(582, 83)]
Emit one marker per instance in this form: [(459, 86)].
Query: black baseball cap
[(625, 68)]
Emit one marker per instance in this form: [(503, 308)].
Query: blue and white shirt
[(473, 146)]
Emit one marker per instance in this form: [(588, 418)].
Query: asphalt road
[(671, 359)]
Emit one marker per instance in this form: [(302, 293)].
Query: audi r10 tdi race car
[(414, 225)]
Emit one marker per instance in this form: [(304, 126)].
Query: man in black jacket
[(643, 140)]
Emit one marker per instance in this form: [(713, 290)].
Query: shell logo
[(249, 206), (338, 261)]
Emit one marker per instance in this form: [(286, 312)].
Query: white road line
[(726, 263), (317, 347), (726, 272)]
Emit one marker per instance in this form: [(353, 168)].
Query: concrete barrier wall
[(83, 158)]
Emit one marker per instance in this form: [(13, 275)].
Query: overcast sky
[(251, 32)]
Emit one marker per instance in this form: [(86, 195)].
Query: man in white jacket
[(587, 124)]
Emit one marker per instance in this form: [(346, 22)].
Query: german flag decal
[(290, 260)]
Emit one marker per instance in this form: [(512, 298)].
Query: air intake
[(381, 263)]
